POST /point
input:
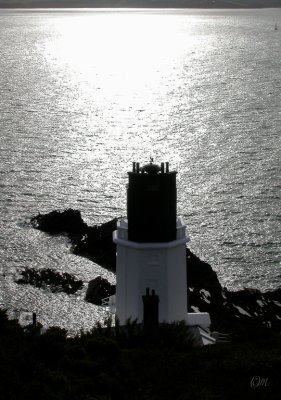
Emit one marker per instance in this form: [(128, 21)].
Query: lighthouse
[(151, 251)]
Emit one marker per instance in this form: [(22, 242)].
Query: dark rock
[(274, 295), (47, 278), (97, 245), (69, 221), (228, 310), (200, 275), (98, 289), (93, 242), (232, 311)]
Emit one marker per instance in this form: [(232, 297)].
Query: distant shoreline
[(140, 4), (3, 7)]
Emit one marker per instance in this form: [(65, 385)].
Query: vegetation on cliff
[(106, 364)]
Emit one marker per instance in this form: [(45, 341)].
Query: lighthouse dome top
[(151, 168)]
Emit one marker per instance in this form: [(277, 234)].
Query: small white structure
[(151, 253)]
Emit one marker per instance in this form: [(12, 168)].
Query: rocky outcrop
[(93, 242), (228, 310), (68, 221), (52, 280), (98, 289), (97, 245), (201, 275)]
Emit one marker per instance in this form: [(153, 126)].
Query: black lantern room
[(152, 203)]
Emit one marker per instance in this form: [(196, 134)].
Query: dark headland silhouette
[(139, 3), (230, 311)]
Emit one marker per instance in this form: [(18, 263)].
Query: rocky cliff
[(230, 311)]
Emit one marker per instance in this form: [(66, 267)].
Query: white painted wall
[(159, 266)]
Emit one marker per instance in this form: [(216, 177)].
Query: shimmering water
[(85, 93)]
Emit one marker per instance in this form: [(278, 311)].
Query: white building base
[(160, 267)]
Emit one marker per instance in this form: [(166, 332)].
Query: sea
[(85, 92)]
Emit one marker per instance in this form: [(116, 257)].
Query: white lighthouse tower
[(151, 250)]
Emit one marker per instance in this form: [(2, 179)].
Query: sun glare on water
[(124, 70), (122, 56)]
